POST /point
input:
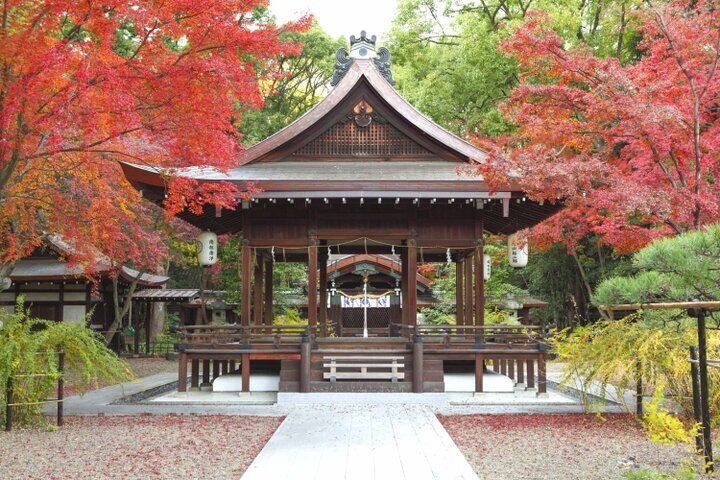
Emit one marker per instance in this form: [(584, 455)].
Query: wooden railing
[(503, 334), (208, 336)]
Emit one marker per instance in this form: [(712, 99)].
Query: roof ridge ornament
[(382, 63), (363, 39), (362, 48)]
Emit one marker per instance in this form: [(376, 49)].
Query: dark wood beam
[(312, 285), (479, 270), (322, 317), (268, 310), (258, 290), (404, 284), (412, 282), (459, 294), (246, 279), (469, 262)]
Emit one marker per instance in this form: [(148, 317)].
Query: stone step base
[(354, 398), (360, 386)]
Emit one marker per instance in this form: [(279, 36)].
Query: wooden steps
[(373, 367), (433, 376)]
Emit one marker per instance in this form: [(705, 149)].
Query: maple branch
[(674, 226), (679, 171), (586, 283), (713, 69), (4, 17), (84, 148), (621, 33), (15, 159), (696, 110), (658, 161), (143, 41)]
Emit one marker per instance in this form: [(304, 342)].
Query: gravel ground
[(147, 447), (559, 446), (144, 367), (141, 367)]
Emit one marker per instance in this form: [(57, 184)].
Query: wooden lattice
[(377, 140)]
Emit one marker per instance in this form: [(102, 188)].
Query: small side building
[(54, 289)]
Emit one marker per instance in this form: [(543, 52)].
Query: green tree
[(300, 83), (29, 346), (677, 269), (567, 280), (447, 60), (651, 344)]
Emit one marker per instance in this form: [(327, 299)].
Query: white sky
[(341, 18)]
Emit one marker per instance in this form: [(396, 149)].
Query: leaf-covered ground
[(146, 447), (559, 446), (141, 367)]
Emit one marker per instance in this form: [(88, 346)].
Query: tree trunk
[(157, 319), (586, 283), (120, 311), (5, 270)]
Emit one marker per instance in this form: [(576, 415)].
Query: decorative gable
[(363, 133)]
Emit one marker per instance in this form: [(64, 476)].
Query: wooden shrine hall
[(361, 173)]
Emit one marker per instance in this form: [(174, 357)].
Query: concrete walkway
[(360, 442)]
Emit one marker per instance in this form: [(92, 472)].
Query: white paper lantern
[(487, 267), (517, 251), (207, 248)]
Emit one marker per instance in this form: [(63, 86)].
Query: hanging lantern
[(517, 251), (207, 248), (487, 267)]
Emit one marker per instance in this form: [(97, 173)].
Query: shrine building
[(362, 174)]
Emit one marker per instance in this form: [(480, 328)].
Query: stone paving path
[(360, 442)]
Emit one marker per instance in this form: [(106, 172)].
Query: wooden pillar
[(312, 287), (268, 310), (194, 373), (404, 288), (412, 282), (479, 370), (336, 316), (246, 280), (520, 371), (459, 294), (205, 373), (216, 369), (258, 291), (479, 271), (322, 303), (530, 372), (245, 370), (542, 380), (469, 289), (305, 352), (479, 288), (418, 381), (146, 311), (395, 317), (182, 373)]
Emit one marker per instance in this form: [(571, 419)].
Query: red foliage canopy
[(634, 151), (85, 84)]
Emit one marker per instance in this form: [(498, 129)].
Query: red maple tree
[(86, 84), (632, 150)]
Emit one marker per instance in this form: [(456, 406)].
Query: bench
[(357, 368)]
